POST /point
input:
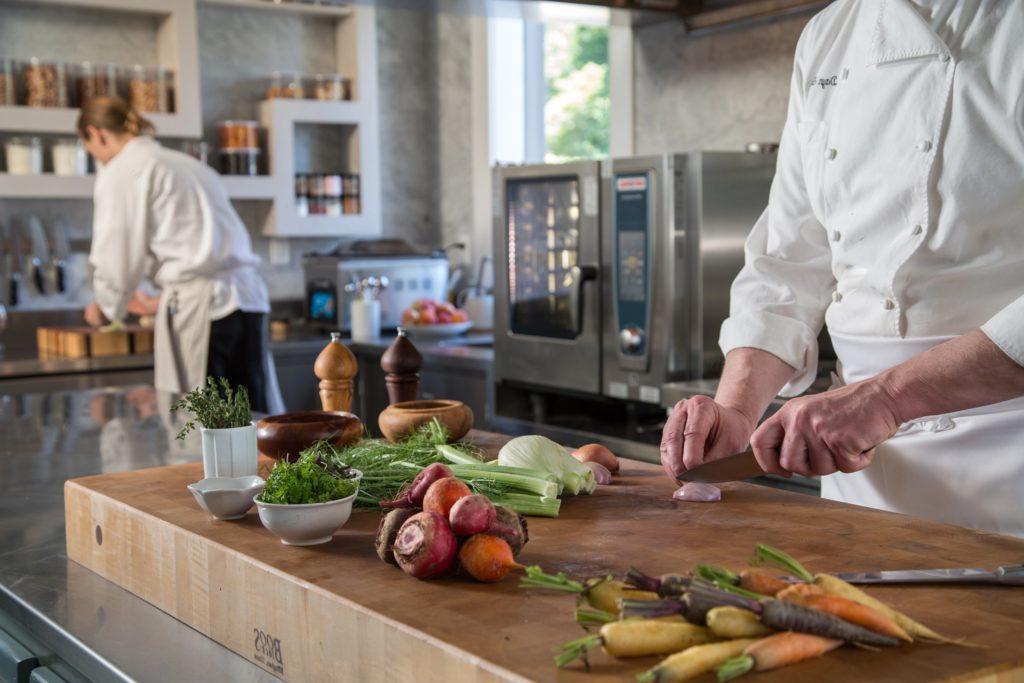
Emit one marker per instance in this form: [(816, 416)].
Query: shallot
[(696, 492), (601, 474), (425, 546)]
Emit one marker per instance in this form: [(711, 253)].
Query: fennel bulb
[(540, 453)]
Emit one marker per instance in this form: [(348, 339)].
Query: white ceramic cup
[(479, 308), (365, 317), (229, 452)]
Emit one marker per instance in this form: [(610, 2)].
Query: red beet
[(471, 515), (425, 547), (510, 526), (412, 496)]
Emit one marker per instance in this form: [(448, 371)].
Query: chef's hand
[(835, 431), (94, 316), (700, 430), (141, 304)]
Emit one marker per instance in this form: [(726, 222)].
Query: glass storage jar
[(6, 81), (284, 85), (149, 89), (240, 161), (46, 84), (238, 134), (97, 80), (69, 157), (332, 87), (24, 155)]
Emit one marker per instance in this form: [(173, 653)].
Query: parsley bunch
[(305, 481), (215, 407)]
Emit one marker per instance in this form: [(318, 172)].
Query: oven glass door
[(543, 232)]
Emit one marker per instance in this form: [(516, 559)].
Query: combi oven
[(612, 277)]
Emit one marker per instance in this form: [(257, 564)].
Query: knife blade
[(1007, 575), (40, 252), (732, 468)]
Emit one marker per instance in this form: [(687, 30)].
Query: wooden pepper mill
[(401, 364), (336, 367)]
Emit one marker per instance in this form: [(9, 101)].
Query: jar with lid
[(24, 155), (350, 193), (6, 81), (302, 194), (238, 134), (97, 80), (46, 84), (332, 194), (149, 89), (333, 87), (69, 157), (316, 193), (283, 85), (244, 161)]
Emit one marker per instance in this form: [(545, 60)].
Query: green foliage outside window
[(576, 110)]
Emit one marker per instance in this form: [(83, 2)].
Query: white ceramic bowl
[(308, 524), (438, 331), (227, 497)]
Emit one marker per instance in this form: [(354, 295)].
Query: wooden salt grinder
[(336, 367), (401, 364)]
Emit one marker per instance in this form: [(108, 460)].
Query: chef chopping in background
[(161, 214), (896, 217)]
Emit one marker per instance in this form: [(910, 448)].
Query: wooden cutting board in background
[(85, 342), (336, 612)]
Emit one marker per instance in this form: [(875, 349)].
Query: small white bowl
[(227, 497), (439, 330), (307, 524)]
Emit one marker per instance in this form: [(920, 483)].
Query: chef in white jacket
[(896, 217), (161, 214)]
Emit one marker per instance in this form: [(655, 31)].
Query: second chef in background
[(161, 214)]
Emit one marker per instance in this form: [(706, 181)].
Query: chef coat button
[(918, 229), (924, 145), (888, 304), (846, 74), (837, 297), (831, 153), (836, 235)]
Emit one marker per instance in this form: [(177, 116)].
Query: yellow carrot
[(636, 638), (694, 661), (735, 622)]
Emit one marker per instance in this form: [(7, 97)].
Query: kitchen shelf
[(296, 7), (351, 225), (51, 186), (61, 121)]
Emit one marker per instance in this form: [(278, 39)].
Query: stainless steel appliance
[(617, 273), (411, 274)]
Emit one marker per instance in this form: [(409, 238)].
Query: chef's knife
[(40, 253), (1007, 575), (731, 468), (60, 252)]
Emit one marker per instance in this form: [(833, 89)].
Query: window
[(548, 83)]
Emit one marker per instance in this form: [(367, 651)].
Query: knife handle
[(1010, 575), (14, 291), (61, 283)]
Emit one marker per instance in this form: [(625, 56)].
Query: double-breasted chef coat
[(161, 214), (897, 217)]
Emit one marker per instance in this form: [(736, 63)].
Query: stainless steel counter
[(101, 630)]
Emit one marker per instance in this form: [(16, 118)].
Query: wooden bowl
[(288, 434), (399, 420)]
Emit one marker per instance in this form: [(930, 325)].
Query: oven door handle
[(580, 274)]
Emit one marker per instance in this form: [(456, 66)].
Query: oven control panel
[(632, 214)]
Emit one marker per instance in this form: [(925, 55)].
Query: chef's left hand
[(94, 316), (835, 431)]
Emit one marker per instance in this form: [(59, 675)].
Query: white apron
[(182, 336), (964, 468)]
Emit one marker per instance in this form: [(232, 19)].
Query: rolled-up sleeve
[(1006, 330), (778, 301), (120, 246)]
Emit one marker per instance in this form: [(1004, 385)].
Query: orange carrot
[(762, 582), (799, 590), (488, 558), (774, 652), (853, 612)]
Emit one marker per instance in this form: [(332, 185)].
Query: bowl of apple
[(427, 319)]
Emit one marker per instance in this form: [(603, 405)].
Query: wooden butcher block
[(336, 612), (90, 342)]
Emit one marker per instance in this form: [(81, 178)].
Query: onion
[(601, 474), (595, 452)]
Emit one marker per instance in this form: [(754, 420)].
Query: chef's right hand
[(700, 430)]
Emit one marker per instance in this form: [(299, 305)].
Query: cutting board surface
[(337, 612)]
